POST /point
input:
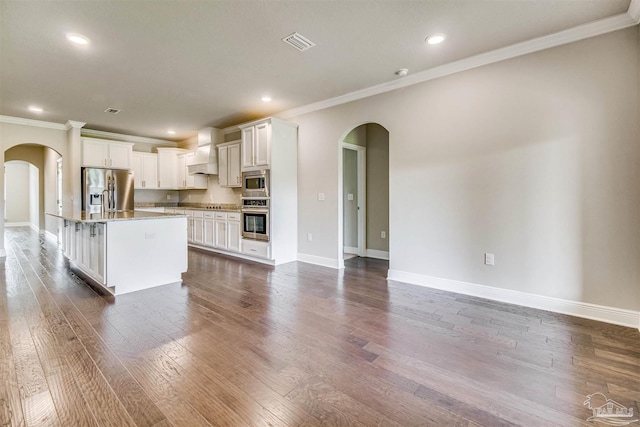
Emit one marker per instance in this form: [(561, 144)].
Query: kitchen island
[(126, 251)]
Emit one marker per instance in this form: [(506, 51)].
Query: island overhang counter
[(125, 251)]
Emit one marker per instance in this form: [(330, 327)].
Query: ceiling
[(185, 65)]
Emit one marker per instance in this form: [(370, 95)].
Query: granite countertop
[(222, 207), (82, 216)]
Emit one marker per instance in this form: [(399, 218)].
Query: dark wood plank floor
[(242, 344)]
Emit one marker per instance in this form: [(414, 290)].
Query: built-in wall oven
[(255, 218), (255, 183)]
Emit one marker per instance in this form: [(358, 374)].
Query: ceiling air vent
[(111, 110), (298, 41)]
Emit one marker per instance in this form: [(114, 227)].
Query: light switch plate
[(349, 196), (320, 196)]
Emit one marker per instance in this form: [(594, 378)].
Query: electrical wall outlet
[(320, 196), (383, 234), (309, 237), (189, 197), (349, 196), (489, 259), (168, 196)]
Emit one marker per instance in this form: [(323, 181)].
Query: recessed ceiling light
[(435, 38), (171, 132), (35, 109), (77, 39), (266, 98)]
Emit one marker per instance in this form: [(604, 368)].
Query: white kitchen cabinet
[(226, 226), (186, 181), (145, 170), (256, 248), (229, 173), (220, 225), (85, 245), (96, 243), (106, 154), (256, 145), (234, 232), (198, 227), (168, 168), (273, 142), (209, 229)]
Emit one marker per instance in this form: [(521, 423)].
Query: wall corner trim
[(3, 253), (616, 316), (318, 260)]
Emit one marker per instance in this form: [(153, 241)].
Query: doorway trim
[(362, 195)]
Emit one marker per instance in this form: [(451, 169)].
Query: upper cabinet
[(173, 173), (256, 145), (106, 154), (188, 181), (168, 168), (145, 170), (229, 174)]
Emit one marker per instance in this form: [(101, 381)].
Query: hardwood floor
[(243, 344)]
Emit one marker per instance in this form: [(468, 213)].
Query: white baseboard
[(49, 235), (374, 253), (34, 228), (17, 224), (318, 260), (617, 316), (350, 250)]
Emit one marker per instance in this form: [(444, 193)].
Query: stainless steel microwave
[(255, 183)]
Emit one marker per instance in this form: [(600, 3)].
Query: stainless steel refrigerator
[(112, 188)]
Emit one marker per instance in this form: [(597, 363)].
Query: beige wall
[(16, 134), (16, 173), (377, 187), (33, 154), (350, 186), (534, 159)]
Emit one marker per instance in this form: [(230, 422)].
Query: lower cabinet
[(208, 229), (220, 230), (84, 245)]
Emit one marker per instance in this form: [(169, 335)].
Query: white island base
[(144, 254), (124, 255)]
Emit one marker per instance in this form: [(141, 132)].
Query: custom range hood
[(205, 159)]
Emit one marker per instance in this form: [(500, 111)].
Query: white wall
[(535, 159), (17, 192)]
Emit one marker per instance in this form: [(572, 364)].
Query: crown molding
[(92, 133), (581, 32), (634, 10), (31, 122), (74, 124)]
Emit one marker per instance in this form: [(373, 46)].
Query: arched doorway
[(364, 192), (38, 190)]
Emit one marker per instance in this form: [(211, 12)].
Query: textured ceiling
[(186, 65)]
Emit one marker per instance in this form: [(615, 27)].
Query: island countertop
[(83, 216)]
